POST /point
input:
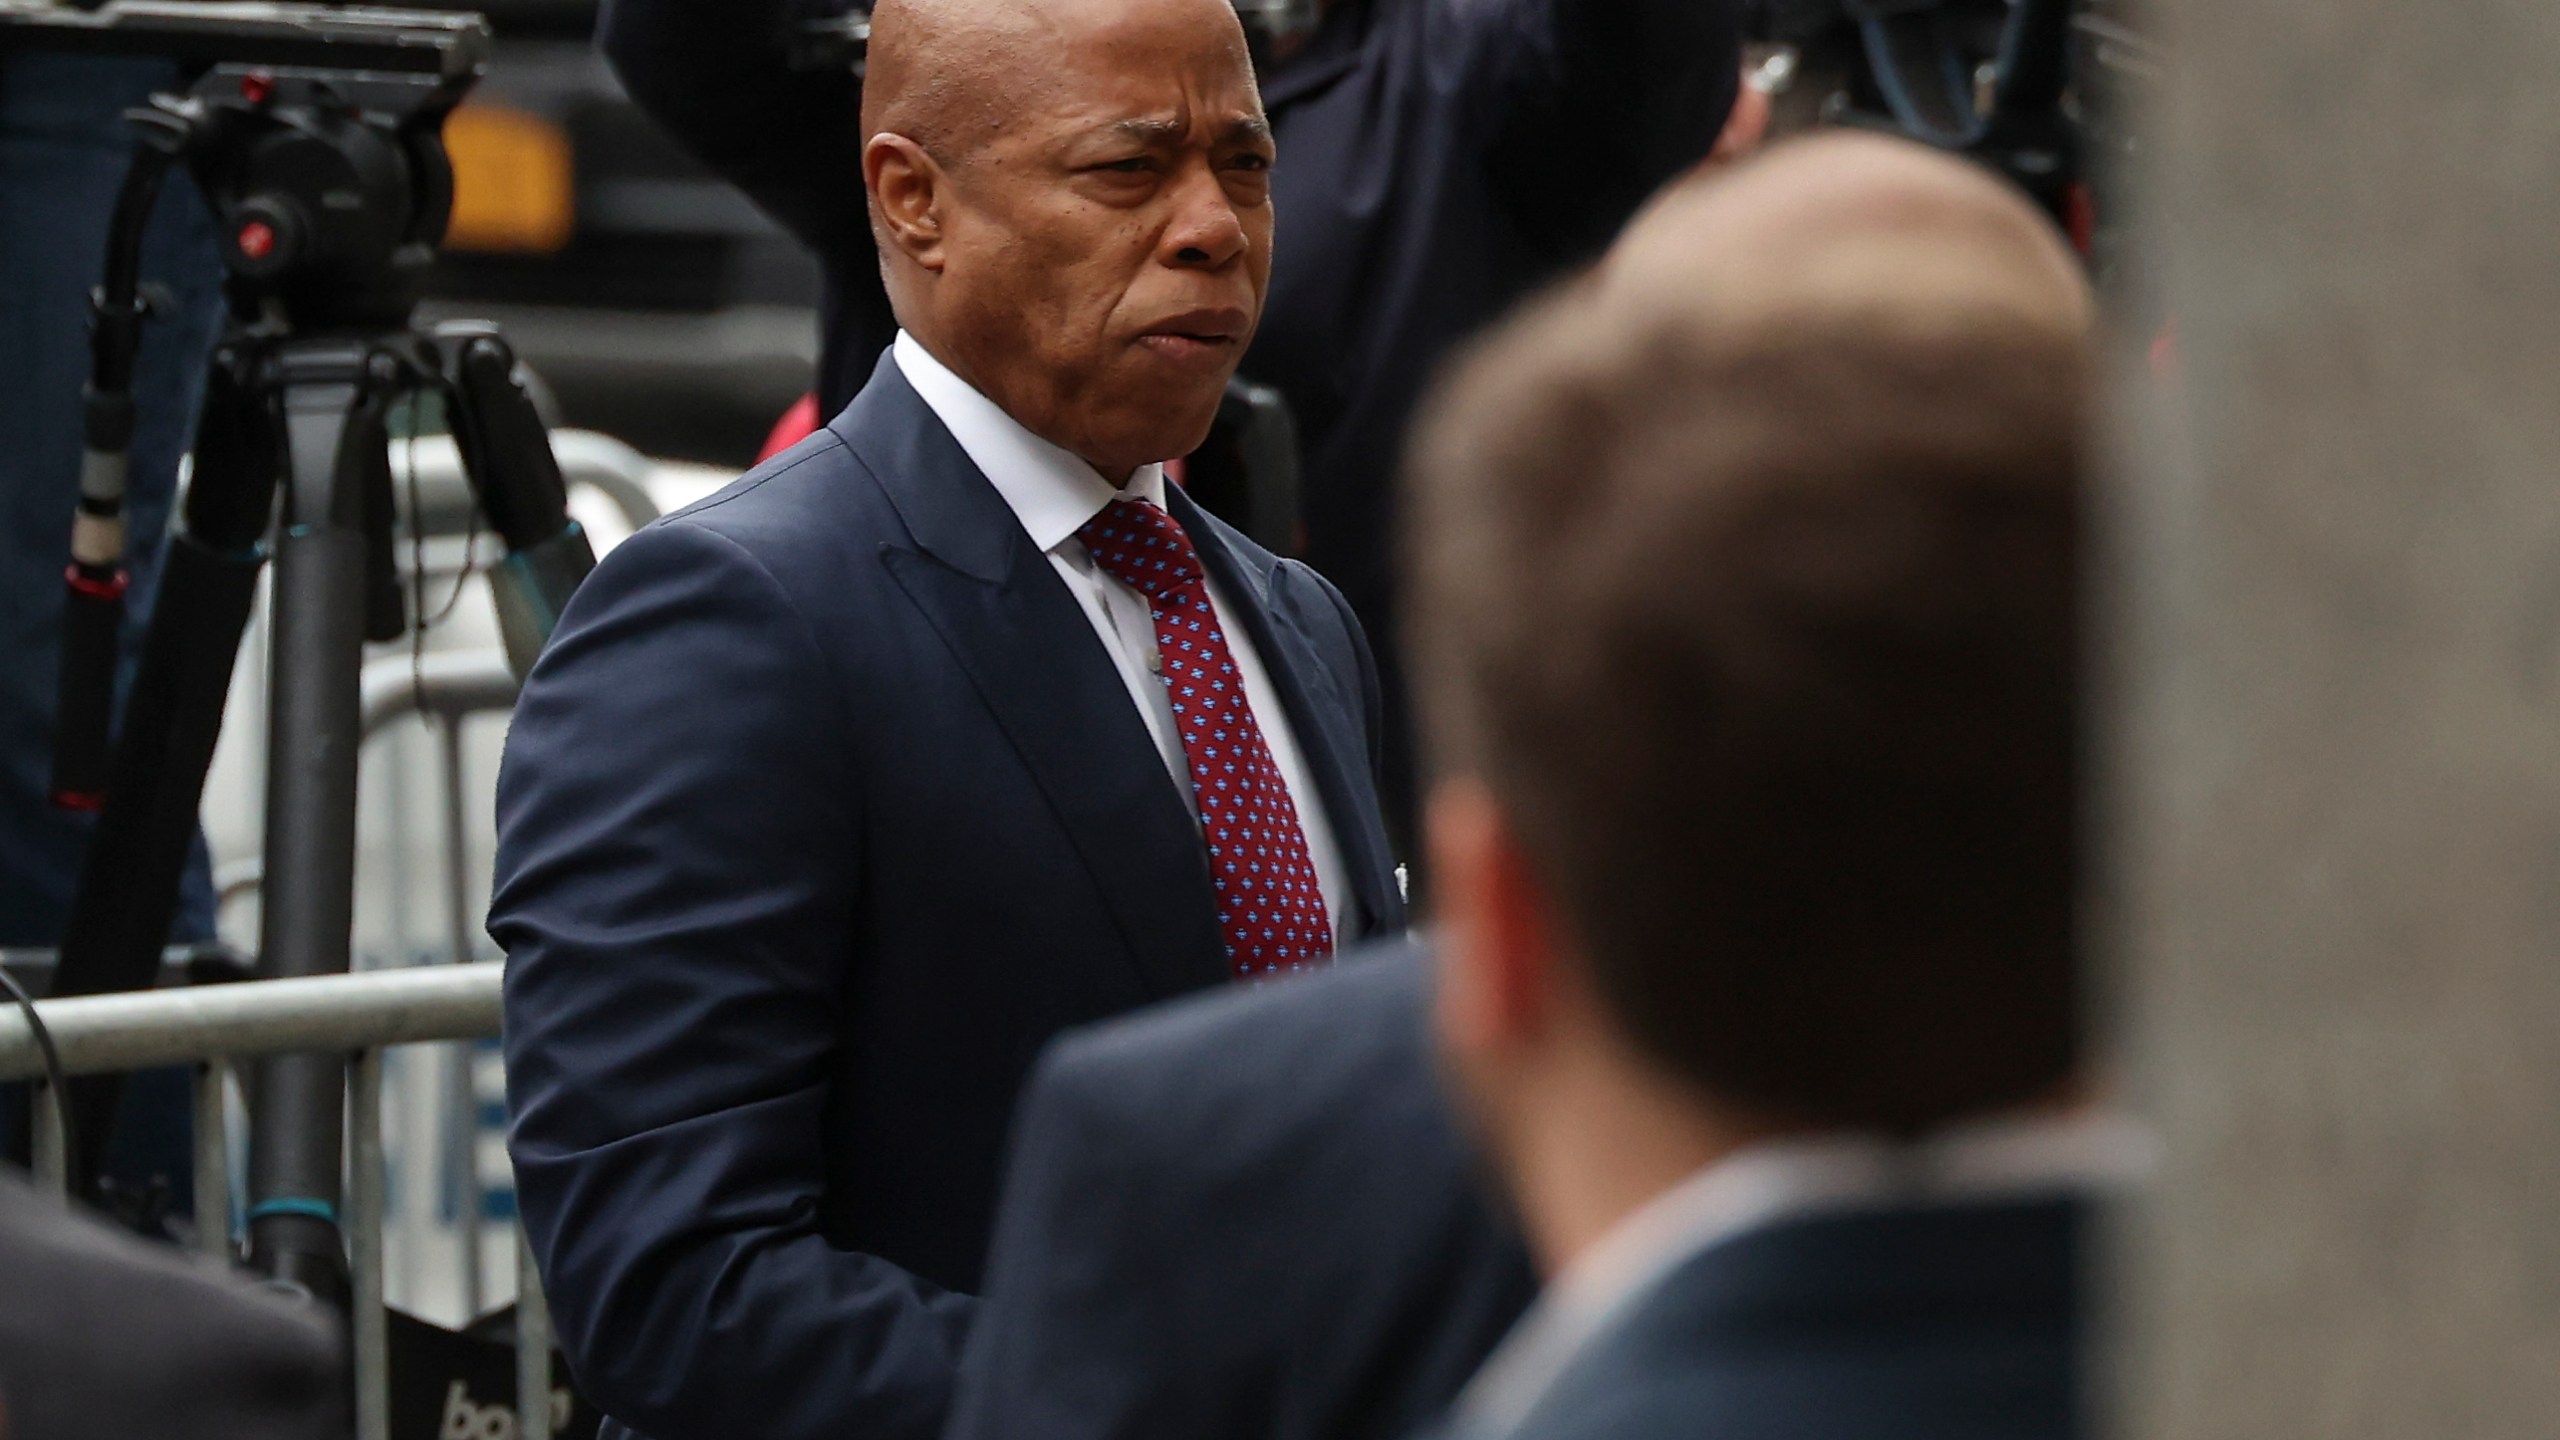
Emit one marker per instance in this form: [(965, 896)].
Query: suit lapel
[(1324, 720), (1035, 661)]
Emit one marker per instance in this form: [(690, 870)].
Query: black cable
[(418, 556), (55, 1078)]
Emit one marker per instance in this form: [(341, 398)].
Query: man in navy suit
[(1243, 1217), (837, 795), (1745, 588)]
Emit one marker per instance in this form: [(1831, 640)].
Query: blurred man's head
[(1073, 205), (1744, 578)]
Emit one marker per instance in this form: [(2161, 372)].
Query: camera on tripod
[(315, 133)]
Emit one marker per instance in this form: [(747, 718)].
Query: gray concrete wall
[(2335, 743)]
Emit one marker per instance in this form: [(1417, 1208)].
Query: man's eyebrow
[(1245, 127), (1162, 130), (1166, 130)]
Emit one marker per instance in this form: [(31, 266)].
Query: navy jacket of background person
[(107, 1337), (1909, 1324), (1244, 1217), (823, 812), (1439, 160)]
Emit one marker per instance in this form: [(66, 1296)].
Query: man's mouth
[(1197, 335)]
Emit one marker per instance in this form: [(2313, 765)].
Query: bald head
[(953, 73), (1743, 584), (1073, 207)]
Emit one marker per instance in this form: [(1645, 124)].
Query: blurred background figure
[(1746, 586), (101, 1335), (63, 153), (64, 148), (1438, 161)]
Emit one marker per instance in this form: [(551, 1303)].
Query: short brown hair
[(1760, 625)]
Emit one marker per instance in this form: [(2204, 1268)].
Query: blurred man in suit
[(104, 1335), (1746, 580), (838, 795), (1243, 1217), (1294, 1244)]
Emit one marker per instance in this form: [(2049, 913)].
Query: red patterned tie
[(1269, 909)]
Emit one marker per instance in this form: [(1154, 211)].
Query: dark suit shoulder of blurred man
[(1746, 589), (1242, 1217), (836, 796), (104, 1335), (1439, 161)]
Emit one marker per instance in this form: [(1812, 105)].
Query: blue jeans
[(63, 152)]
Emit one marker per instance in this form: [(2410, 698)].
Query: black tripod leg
[(128, 892), (506, 451), (334, 399)]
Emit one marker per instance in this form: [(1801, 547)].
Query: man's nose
[(1205, 232)]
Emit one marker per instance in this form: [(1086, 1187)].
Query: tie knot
[(1141, 546)]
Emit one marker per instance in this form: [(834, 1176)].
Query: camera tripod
[(327, 170)]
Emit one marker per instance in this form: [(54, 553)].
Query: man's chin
[(1169, 432)]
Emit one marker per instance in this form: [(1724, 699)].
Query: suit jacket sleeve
[(1596, 103), (675, 893)]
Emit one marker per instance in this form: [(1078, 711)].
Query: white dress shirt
[(1053, 493), (1761, 1185)]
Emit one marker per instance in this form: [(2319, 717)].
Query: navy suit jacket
[(1959, 1322), (824, 810), (1245, 1217)]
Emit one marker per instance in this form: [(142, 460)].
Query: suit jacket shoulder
[(1296, 1244), (102, 1334), (1958, 1321)]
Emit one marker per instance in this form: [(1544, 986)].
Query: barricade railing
[(215, 1027)]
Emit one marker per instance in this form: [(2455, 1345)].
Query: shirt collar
[(1051, 491), (1783, 1179)]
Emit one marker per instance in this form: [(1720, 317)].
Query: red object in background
[(2164, 349), (797, 424), (2080, 218), (257, 240)]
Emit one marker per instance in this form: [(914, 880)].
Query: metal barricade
[(214, 1028), (446, 690)]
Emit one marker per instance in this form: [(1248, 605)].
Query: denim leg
[(63, 153)]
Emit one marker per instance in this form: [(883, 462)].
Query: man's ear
[(907, 192), (1497, 932)]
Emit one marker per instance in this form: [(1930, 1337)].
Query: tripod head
[(314, 132), (316, 135)]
